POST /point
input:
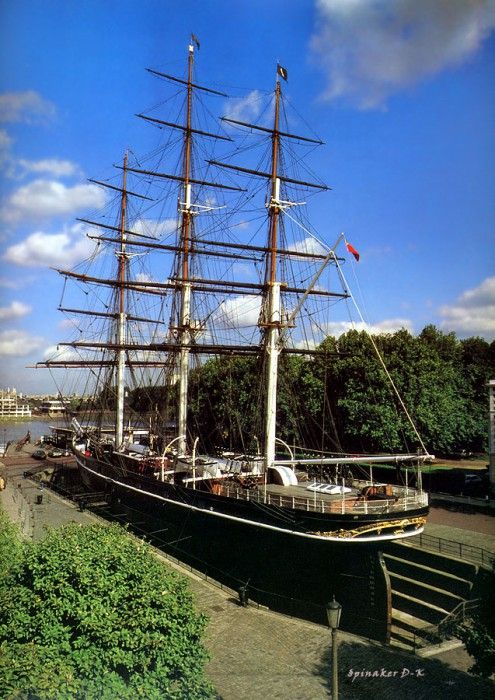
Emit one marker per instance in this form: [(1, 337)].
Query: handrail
[(445, 629), (470, 552), (310, 503)]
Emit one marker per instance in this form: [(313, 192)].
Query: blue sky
[(402, 93)]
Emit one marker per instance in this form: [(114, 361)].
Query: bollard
[(243, 596)]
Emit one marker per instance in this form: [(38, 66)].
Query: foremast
[(121, 318)]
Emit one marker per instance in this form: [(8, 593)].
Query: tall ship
[(207, 294)]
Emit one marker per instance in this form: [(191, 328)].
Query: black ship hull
[(274, 552)]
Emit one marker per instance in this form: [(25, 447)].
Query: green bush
[(11, 546), (89, 612)]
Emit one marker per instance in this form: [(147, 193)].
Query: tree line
[(340, 398)]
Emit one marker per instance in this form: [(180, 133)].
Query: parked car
[(39, 454), (56, 453), (473, 484)]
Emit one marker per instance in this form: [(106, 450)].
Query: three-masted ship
[(293, 521)]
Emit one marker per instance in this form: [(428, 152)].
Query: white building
[(10, 406), (53, 406)]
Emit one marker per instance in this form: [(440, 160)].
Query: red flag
[(352, 250)]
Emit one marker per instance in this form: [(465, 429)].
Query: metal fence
[(319, 505), (469, 552), (447, 628)]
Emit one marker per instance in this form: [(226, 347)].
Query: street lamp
[(334, 611)]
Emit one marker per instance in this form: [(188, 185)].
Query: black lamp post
[(334, 610)]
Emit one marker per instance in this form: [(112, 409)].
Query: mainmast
[(272, 320), (121, 318), (184, 331)]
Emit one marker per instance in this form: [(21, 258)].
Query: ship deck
[(299, 497)]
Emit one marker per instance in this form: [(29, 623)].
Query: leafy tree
[(478, 367), (90, 613), (11, 546), (347, 403), (224, 402), (478, 632)]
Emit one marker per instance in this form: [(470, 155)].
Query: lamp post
[(334, 611)]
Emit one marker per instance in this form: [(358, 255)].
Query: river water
[(13, 430)]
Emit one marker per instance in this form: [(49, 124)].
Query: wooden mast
[(272, 315), (185, 308), (121, 319)]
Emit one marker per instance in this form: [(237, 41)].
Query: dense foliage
[(88, 613), (478, 632), (11, 547), (345, 401)]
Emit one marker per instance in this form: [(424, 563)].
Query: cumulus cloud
[(309, 245), (16, 282), (52, 166), (16, 309), (18, 343), (390, 325), (5, 144), (152, 227), (5, 154), (370, 49), (27, 106), (144, 277), (41, 249), (45, 198), (473, 313), (242, 311), (60, 353), (244, 109)]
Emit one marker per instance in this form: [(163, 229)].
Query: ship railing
[(342, 506)]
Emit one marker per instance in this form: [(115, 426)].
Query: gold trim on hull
[(397, 527)]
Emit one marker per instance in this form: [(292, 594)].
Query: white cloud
[(309, 245), (370, 49), (18, 343), (473, 313), (52, 166), (5, 144), (16, 282), (390, 325), (27, 106), (5, 155), (46, 249), (241, 312), (244, 109), (17, 309), (154, 228), (144, 277), (60, 353), (46, 198)]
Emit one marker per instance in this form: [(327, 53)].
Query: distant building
[(53, 407), (10, 406)]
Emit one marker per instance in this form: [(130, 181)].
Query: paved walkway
[(259, 654)]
